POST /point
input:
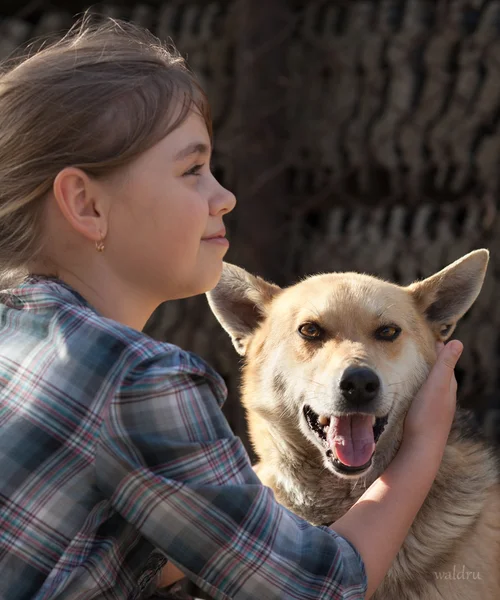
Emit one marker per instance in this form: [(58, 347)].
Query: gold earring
[(99, 246)]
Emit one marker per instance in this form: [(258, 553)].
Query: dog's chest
[(316, 501)]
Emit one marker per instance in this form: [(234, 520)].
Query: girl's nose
[(223, 201)]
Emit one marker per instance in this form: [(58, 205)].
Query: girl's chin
[(209, 277)]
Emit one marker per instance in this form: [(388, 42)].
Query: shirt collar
[(38, 289)]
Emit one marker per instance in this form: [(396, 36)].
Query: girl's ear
[(239, 302), (75, 194), (445, 297)]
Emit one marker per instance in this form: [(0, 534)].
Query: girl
[(119, 473)]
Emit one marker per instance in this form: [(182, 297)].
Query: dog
[(331, 365)]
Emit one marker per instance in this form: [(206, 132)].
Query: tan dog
[(331, 366)]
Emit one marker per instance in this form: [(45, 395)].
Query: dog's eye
[(310, 331), (388, 333)]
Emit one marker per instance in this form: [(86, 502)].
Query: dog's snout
[(359, 384)]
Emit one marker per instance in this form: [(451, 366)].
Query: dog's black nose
[(359, 384)]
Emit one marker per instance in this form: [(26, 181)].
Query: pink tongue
[(351, 439)]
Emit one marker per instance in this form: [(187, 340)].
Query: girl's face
[(166, 231)]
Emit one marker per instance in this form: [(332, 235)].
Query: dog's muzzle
[(349, 440)]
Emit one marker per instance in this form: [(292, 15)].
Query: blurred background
[(357, 135)]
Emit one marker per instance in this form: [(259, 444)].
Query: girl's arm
[(173, 469)]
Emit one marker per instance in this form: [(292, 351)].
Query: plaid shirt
[(114, 455)]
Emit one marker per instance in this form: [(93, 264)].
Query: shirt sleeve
[(172, 467)]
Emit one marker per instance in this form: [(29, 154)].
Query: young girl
[(119, 474)]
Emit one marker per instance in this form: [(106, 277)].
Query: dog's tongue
[(351, 439)]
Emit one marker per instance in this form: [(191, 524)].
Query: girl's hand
[(169, 575), (431, 413)]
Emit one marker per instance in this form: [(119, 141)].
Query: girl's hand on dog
[(431, 413)]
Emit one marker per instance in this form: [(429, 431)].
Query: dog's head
[(337, 358)]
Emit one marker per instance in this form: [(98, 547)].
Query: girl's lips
[(222, 241)]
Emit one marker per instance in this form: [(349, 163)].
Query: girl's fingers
[(441, 375), (439, 346), (450, 354), (453, 386)]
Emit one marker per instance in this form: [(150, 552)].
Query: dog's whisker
[(312, 381), (314, 309), (383, 312)]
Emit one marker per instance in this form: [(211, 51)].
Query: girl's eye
[(388, 333), (310, 331), (193, 170)]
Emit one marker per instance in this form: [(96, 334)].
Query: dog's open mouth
[(349, 440)]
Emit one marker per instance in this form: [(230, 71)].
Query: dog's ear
[(445, 297), (239, 301)]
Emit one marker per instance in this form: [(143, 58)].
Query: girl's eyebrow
[(194, 148)]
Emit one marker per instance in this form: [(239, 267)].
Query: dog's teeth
[(323, 420), (373, 420)]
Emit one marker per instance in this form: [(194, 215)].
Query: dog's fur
[(452, 550)]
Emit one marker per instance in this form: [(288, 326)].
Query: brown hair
[(96, 99)]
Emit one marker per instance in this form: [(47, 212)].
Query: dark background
[(357, 135)]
